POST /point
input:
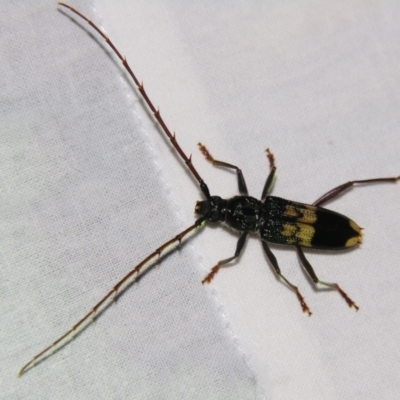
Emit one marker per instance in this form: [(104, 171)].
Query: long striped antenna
[(156, 112)]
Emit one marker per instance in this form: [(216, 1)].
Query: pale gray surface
[(89, 187), (84, 201)]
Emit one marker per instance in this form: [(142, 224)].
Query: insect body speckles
[(242, 213)]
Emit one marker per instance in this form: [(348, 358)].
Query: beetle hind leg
[(311, 274), (337, 191)]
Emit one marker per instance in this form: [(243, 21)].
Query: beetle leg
[(274, 262), (311, 274), (241, 182), (269, 183), (222, 263), (337, 191)]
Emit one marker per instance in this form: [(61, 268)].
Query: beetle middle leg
[(274, 262), (222, 263), (241, 182)]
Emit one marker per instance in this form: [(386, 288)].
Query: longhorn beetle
[(275, 219)]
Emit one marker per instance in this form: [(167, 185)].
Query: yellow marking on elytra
[(304, 214), (309, 216), (289, 230), (290, 211), (356, 238), (305, 234), (296, 233), (355, 227), (353, 241)]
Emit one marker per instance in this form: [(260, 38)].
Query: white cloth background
[(89, 187)]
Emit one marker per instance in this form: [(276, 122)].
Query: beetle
[(284, 221), (276, 220)]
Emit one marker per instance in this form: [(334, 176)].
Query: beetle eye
[(201, 207)]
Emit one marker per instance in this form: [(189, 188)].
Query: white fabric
[(89, 187)]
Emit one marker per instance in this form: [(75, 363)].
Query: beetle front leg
[(312, 275), (241, 182), (222, 263)]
